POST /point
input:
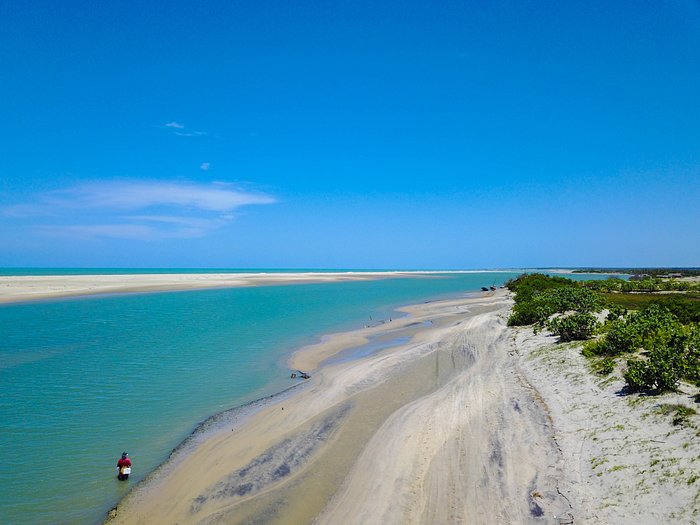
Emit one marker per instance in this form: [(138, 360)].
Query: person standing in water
[(124, 466)]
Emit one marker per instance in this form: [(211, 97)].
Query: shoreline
[(308, 358), (231, 418), (321, 420)]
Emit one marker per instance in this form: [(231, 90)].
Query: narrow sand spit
[(36, 287), (466, 422)]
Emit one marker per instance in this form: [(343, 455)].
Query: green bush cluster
[(670, 349), (573, 298), (661, 371), (538, 297), (574, 327), (648, 329), (615, 312), (685, 310), (661, 341)]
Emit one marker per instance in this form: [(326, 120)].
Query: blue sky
[(349, 134)]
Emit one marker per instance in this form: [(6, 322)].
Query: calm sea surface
[(82, 380)]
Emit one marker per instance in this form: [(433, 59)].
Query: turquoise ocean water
[(81, 380)]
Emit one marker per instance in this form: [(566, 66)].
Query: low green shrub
[(621, 337), (574, 327), (661, 371), (615, 312)]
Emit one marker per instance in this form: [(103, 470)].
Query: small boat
[(493, 288), (484, 289)]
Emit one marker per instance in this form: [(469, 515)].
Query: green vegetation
[(671, 353), (662, 349), (538, 297), (574, 327), (681, 413), (685, 307), (605, 366), (648, 328), (597, 462), (659, 337)]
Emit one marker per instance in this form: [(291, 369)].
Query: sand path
[(476, 450)]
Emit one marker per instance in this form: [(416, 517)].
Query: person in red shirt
[(122, 464)]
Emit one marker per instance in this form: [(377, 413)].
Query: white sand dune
[(476, 450)]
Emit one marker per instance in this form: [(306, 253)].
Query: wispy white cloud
[(206, 166), (135, 209), (181, 130), (189, 133)]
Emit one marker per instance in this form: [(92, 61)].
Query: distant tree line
[(653, 272), (645, 285)]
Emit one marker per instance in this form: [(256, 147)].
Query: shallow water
[(82, 380)]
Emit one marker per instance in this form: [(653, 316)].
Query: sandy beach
[(458, 419), (38, 287)]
